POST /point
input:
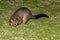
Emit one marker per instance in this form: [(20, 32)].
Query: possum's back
[(23, 11)]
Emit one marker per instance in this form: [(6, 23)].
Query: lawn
[(39, 29)]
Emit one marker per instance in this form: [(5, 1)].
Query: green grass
[(40, 29)]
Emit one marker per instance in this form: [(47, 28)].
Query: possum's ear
[(11, 22)]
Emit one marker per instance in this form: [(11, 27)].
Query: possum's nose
[(15, 24)]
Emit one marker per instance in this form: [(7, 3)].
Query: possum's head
[(14, 22)]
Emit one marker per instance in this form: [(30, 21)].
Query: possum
[(23, 15)]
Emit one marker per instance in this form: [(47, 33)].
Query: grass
[(40, 29)]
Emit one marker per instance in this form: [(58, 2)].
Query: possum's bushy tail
[(39, 16)]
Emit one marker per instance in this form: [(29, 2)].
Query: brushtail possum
[(23, 15)]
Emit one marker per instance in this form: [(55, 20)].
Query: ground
[(39, 29)]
